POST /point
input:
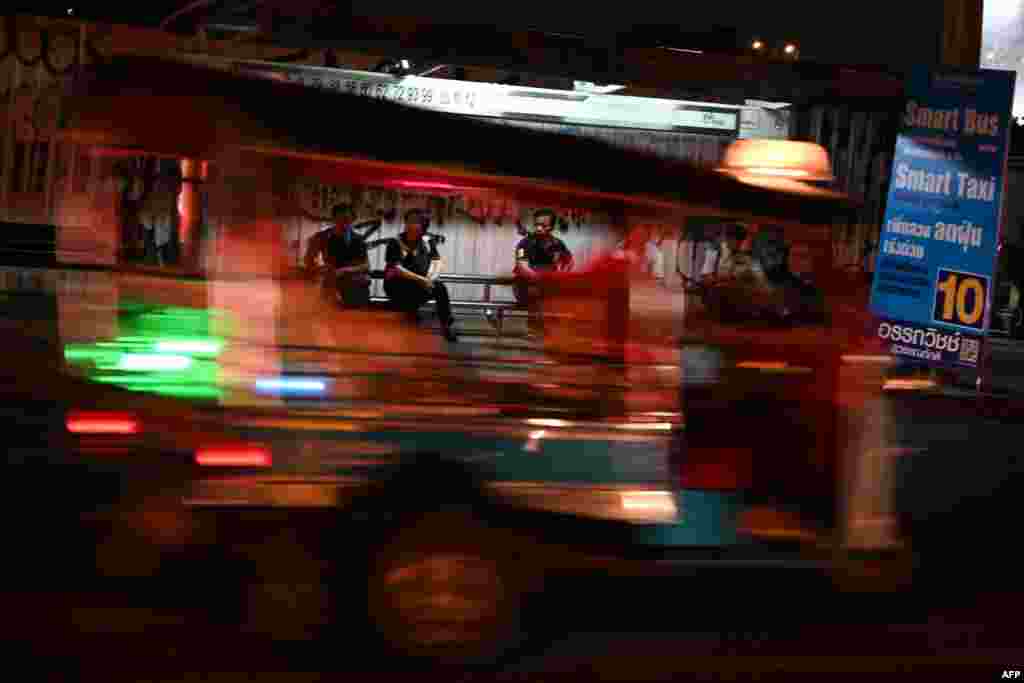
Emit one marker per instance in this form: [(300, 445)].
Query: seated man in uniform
[(737, 286), (538, 253), (346, 261), (794, 296), (411, 270)]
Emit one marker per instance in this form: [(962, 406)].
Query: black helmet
[(770, 249)]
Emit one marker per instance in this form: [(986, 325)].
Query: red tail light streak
[(88, 422), (234, 456)]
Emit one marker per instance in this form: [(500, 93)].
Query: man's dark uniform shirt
[(414, 259), (345, 250), (543, 254), (342, 251), (410, 295)]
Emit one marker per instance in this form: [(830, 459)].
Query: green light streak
[(154, 362), (167, 351), (191, 346), (187, 391)]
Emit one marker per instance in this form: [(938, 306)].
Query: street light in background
[(394, 67), (773, 48)]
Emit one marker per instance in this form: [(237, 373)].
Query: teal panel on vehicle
[(538, 460), (545, 460), (706, 518), (583, 462)]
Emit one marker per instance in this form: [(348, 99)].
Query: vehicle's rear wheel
[(285, 593), (448, 590)]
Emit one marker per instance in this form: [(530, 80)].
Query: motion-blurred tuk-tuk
[(645, 420)]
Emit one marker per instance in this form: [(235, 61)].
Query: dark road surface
[(965, 624), (725, 628)]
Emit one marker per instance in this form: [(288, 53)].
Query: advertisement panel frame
[(942, 215)]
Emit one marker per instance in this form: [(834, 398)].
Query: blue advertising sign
[(940, 233)]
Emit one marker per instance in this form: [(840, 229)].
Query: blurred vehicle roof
[(150, 104)]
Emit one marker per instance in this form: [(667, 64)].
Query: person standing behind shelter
[(411, 271), (654, 259), (133, 231), (641, 247), (536, 254)]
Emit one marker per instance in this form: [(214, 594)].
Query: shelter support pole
[(11, 133), (961, 47), (961, 33), (189, 211)]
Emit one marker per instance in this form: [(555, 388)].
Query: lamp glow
[(782, 172), (908, 384), (777, 158), (650, 505), (545, 422), (645, 426)]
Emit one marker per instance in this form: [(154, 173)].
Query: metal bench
[(495, 311)]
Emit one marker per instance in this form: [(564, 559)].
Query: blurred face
[(543, 224), (413, 227), (342, 221)]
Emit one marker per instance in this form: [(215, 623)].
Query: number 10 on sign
[(960, 299)]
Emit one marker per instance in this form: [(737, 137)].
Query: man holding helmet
[(538, 253), (410, 276)]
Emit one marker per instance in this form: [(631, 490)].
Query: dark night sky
[(862, 31)]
